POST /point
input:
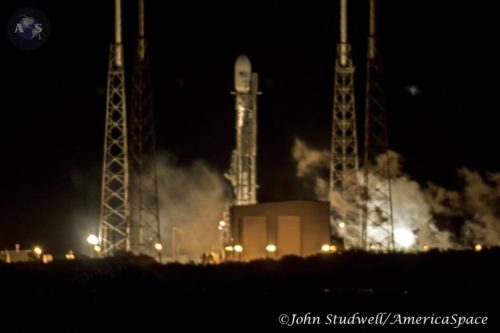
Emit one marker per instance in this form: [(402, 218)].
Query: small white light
[(222, 223), (271, 248), (70, 255), (404, 237), (97, 248), (92, 239), (238, 248), (38, 251), (342, 225), (325, 247), (158, 247), (478, 247)]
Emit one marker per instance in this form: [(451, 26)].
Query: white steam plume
[(191, 199), (476, 204), (411, 210), (481, 204), (309, 160)]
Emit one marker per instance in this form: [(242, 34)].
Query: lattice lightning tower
[(378, 228), (344, 185), (114, 221), (145, 222)]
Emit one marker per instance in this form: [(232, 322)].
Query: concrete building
[(277, 229), (18, 255)]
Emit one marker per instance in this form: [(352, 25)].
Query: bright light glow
[(271, 248), (229, 248), (342, 225), (222, 223), (325, 247), (158, 247), (333, 248), (38, 250), (425, 248), (70, 255), (97, 248), (238, 248), (46, 258), (478, 247), (404, 237), (92, 239)]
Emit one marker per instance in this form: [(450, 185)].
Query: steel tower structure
[(378, 228), (144, 214), (243, 170), (345, 211), (114, 220)]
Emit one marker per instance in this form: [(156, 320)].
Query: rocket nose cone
[(242, 73), (243, 63)]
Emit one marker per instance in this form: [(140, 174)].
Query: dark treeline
[(130, 293)]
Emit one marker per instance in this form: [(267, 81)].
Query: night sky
[(52, 100)]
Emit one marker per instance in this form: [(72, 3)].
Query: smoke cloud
[(411, 210), (309, 160), (417, 207), (310, 164), (482, 200), (476, 204), (394, 160), (85, 212), (191, 200)]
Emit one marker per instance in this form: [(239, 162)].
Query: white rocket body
[(243, 173)]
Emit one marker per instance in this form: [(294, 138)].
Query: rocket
[(243, 171)]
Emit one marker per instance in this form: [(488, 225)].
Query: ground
[(134, 294)]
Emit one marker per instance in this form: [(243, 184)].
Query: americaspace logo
[(28, 28)]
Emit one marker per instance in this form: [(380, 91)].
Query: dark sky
[(53, 99)]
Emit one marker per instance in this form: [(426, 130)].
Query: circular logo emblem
[(28, 28)]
